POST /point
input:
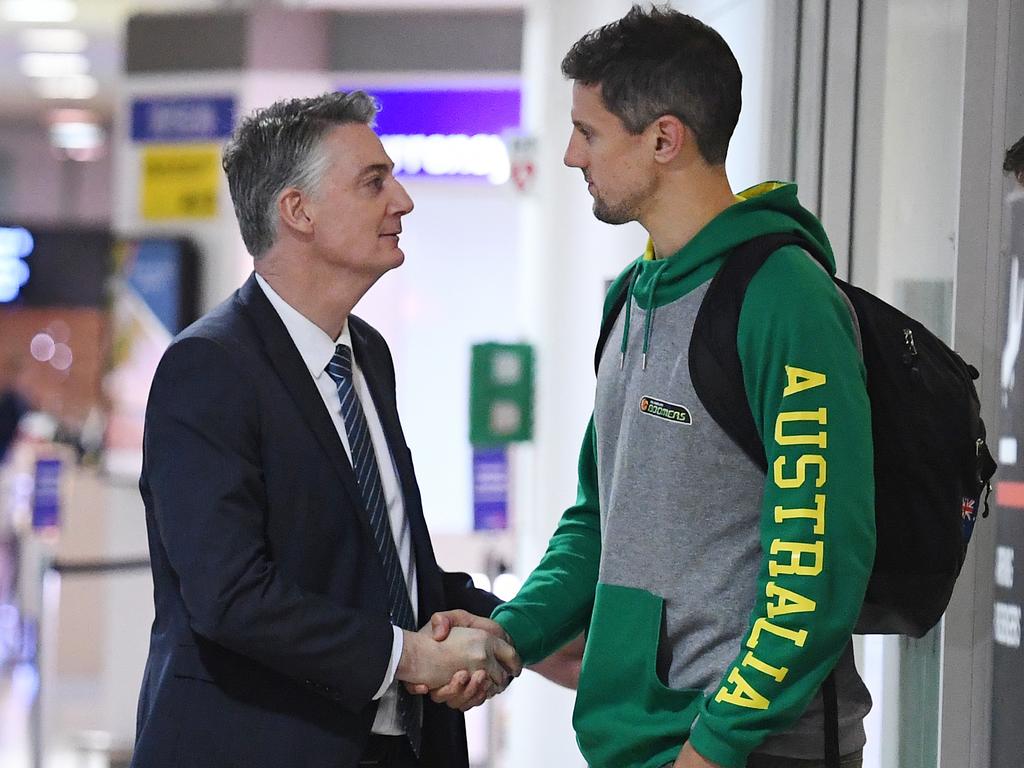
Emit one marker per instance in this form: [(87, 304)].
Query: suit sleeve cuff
[(397, 644)]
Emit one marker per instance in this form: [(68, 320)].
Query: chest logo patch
[(678, 414)]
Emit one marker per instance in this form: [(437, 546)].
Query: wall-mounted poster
[(154, 296)]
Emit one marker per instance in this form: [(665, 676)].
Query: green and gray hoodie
[(716, 599)]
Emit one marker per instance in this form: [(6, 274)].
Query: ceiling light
[(76, 135), (77, 87), (62, 357), (53, 64), (40, 11), (42, 347), (54, 40)]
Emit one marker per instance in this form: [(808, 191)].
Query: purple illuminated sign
[(46, 494), (449, 132), (490, 489), (447, 112)]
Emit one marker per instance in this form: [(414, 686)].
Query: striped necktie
[(364, 463)]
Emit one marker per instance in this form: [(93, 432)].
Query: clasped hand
[(459, 659)]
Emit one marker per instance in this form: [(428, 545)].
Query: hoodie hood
[(768, 208)]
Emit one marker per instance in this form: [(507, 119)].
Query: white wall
[(461, 245), (744, 24)]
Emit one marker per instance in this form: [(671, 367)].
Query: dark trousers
[(388, 752)]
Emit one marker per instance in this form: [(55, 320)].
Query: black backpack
[(931, 460)]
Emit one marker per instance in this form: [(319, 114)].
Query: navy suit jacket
[(271, 633)]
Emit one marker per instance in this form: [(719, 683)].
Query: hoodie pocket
[(624, 714)]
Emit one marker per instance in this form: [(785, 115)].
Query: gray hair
[(281, 146)]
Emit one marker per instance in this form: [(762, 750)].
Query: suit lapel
[(381, 385), (286, 361)]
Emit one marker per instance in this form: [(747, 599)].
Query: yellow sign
[(180, 181)]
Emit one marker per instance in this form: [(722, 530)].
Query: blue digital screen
[(54, 266), (16, 245)]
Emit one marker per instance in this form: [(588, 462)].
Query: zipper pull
[(910, 354)]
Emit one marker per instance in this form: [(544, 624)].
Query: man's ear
[(291, 207), (671, 136)]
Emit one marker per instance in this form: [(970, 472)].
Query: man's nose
[(401, 203), (571, 157)]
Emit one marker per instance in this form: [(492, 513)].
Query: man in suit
[(291, 561)]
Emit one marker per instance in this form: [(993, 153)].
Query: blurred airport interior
[(117, 231)]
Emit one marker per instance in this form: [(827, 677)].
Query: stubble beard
[(626, 211), (620, 214)]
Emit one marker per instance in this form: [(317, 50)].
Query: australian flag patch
[(968, 516)]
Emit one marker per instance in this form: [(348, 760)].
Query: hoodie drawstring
[(648, 318), (625, 325)]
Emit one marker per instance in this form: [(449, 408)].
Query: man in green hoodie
[(715, 598)]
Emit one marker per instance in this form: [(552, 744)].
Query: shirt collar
[(315, 347)]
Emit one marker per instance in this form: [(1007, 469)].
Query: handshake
[(459, 659)]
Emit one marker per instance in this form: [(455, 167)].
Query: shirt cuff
[(397, 644)]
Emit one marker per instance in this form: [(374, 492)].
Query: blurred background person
[(13, 402)]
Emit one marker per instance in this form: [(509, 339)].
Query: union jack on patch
[(967, 509)]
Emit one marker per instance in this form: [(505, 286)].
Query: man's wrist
[(411, 661), (391, 673)]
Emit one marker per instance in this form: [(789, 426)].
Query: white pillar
[(566, 257)]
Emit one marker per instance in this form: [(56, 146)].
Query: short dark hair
[(658, 61), (278, 147), (1014, 162)]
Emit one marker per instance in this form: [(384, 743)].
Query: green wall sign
[(501, 394)]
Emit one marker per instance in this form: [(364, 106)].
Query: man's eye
[(377, 182)]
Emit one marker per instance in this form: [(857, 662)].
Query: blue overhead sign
[(183, 118)]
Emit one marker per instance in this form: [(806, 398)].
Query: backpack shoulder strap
[(609, 319), (714, 360)]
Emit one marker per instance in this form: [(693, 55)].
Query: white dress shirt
[(317, 349)]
